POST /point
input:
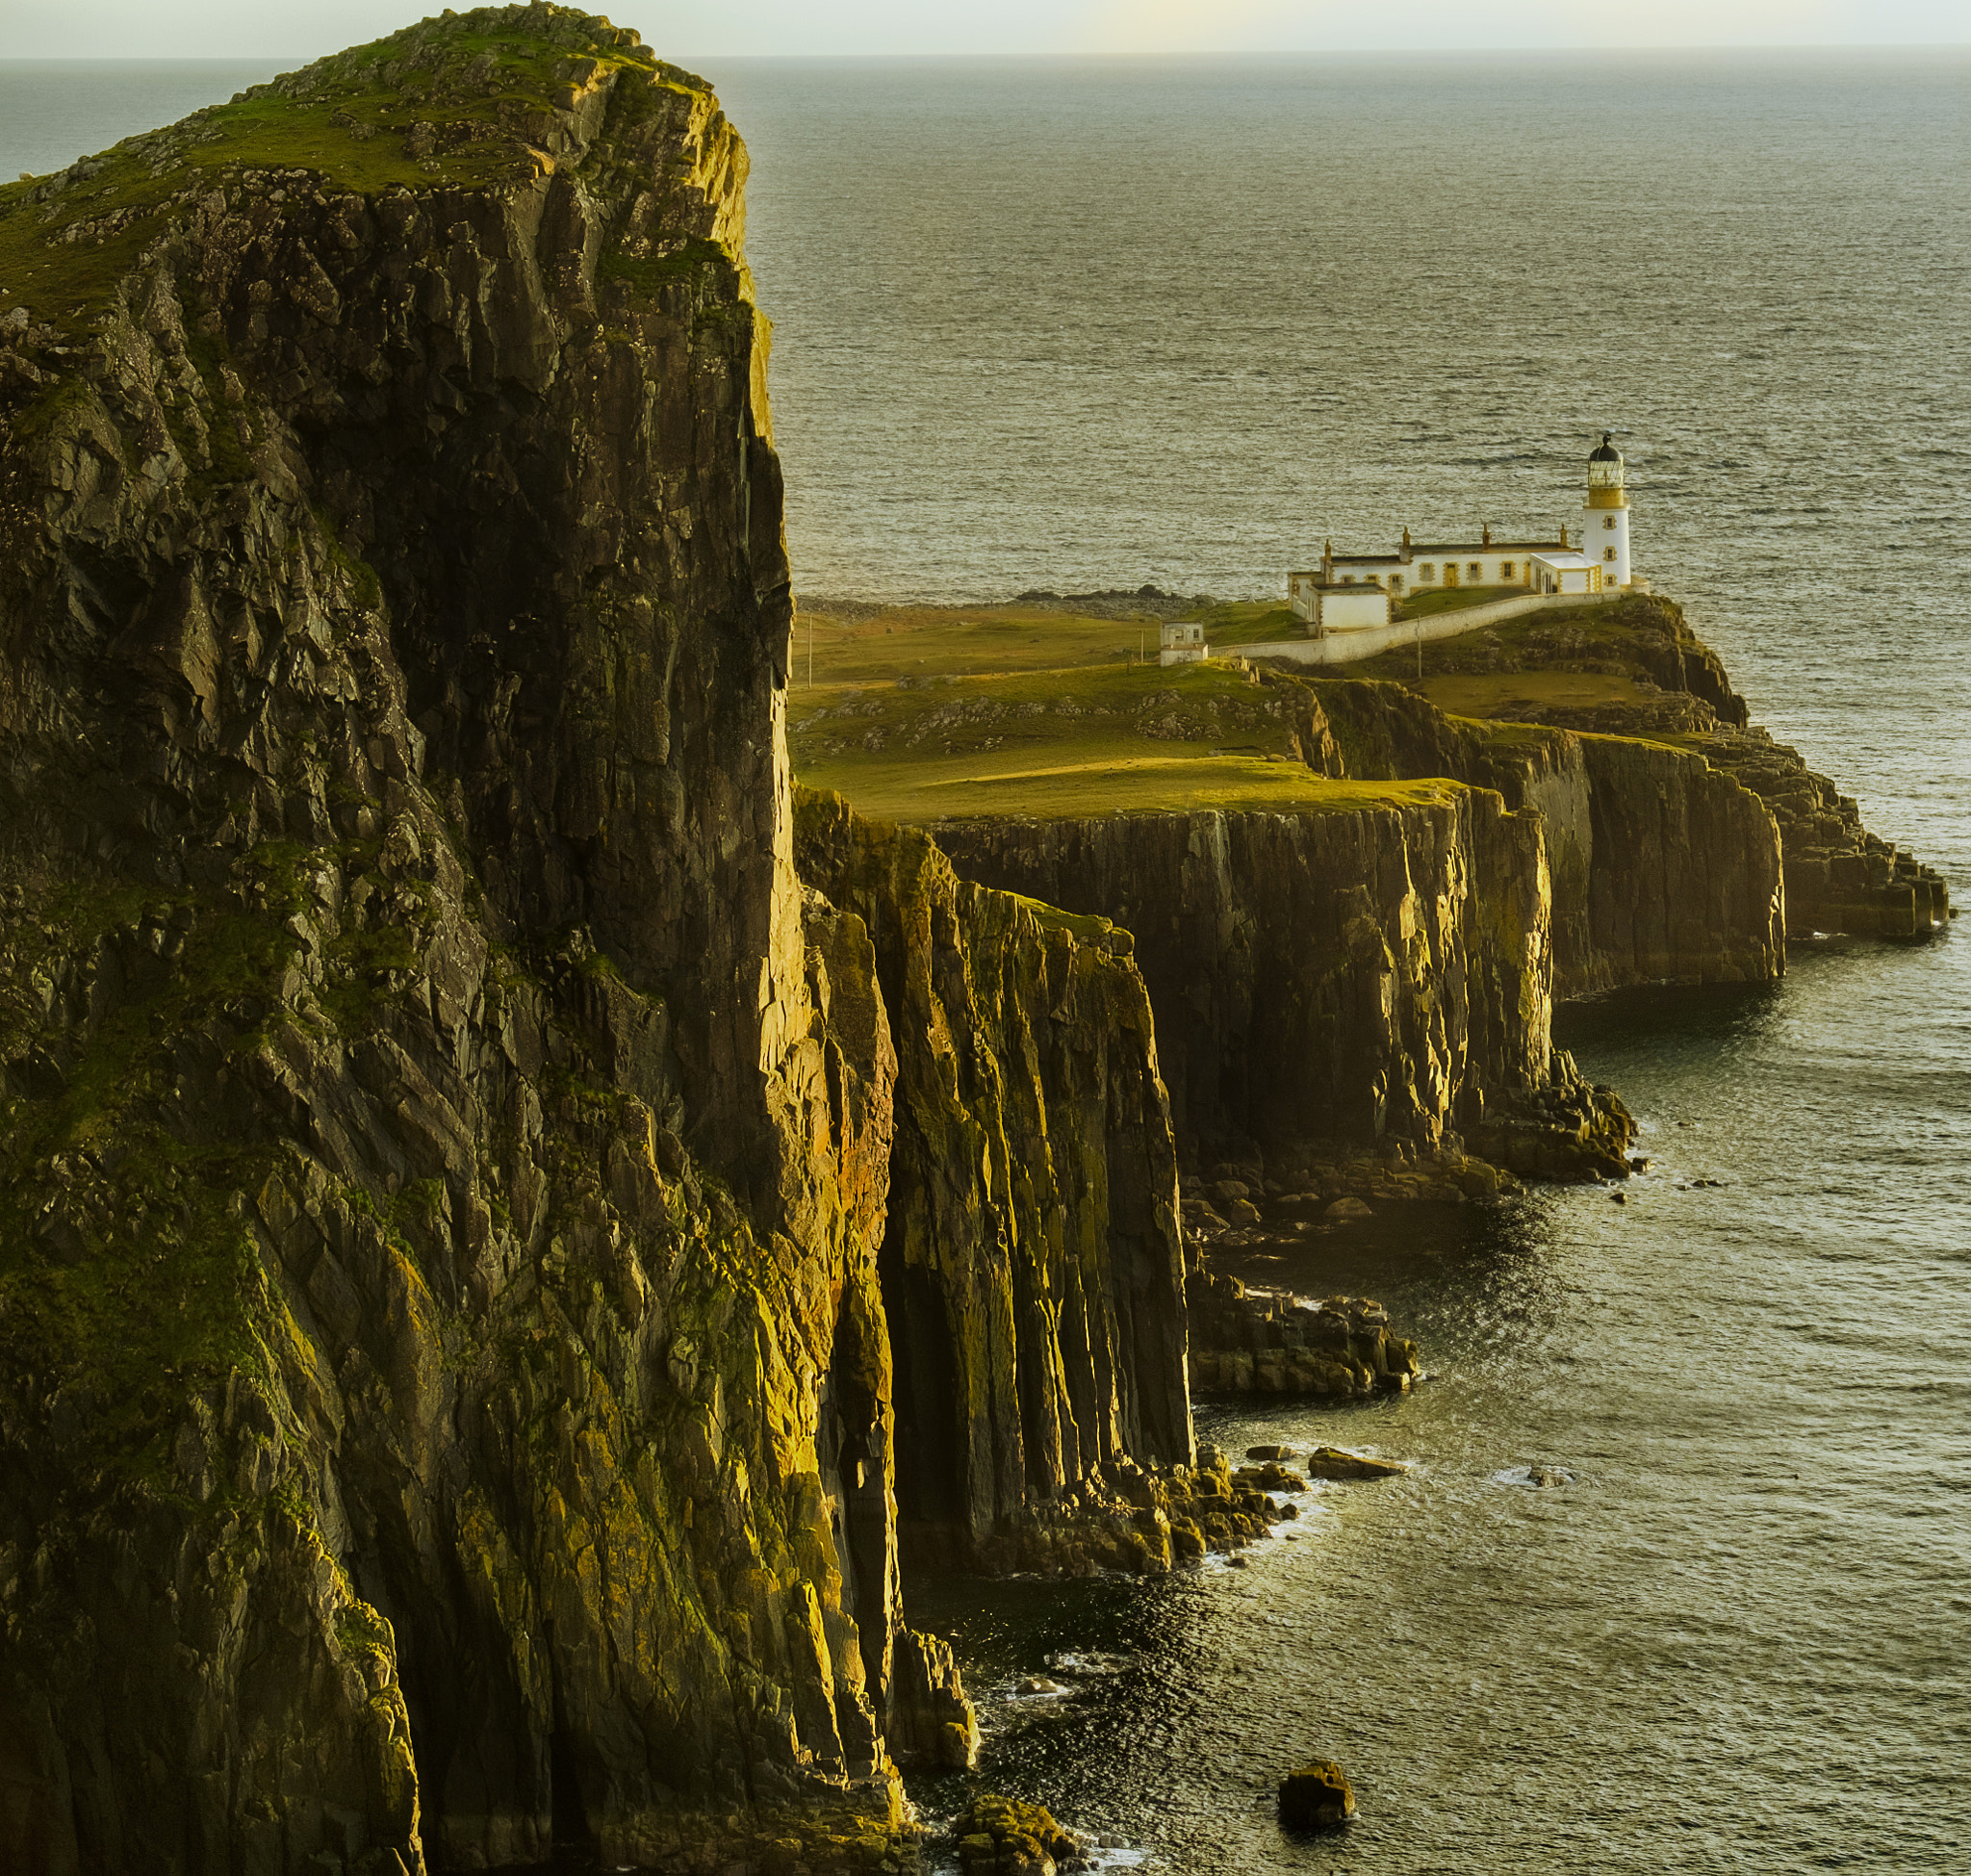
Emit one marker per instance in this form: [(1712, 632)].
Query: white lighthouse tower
[(1604, 520)]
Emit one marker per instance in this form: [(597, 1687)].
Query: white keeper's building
[(1349, 591)]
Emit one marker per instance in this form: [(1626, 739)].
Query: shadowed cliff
[(448, 1400)]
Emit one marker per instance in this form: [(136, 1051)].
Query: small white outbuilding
[(1564, 572), (1183, 642), (1347, 607)]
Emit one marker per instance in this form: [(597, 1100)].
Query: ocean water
[(53, 111), (1079, 324)]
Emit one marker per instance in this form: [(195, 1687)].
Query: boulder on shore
[(1318, 1794), (1331, 1462), (1001, 1836)]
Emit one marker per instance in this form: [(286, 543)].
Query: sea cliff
[(1633, 672), (445, 1385), (1662, 867), (1377, 975), (516, 1234), (1032, 1261)]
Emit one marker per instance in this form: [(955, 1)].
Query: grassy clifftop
[(1061, 744), (464, 100), (1634, 664)]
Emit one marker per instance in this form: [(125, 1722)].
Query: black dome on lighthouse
[(1607, 452)]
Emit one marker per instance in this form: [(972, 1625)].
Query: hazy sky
[(685, 29)]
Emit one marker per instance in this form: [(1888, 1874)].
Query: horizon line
[(1161, 56)]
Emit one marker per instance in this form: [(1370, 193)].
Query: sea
[(1082, 324)]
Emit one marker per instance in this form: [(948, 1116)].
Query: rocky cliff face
[(1031, 1265), (445, 1382), (1838, 876), (1661, 866), (1375, 974)]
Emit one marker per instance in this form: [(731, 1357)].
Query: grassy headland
[(1062, 743), (925, 713), (1609, 654), (438, 105)]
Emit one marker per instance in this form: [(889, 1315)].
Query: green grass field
[(62, 256), (1066, 743), (909, 641), (1249, 622), (1450, 599)]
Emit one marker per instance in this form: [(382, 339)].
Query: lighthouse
[(1604, 520)]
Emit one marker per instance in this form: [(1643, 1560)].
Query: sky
[(685, 29)]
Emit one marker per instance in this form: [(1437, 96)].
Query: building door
[(1450, 573)]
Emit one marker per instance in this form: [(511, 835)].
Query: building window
[(1608, 553), (1395, 582), (1506, 570), (1427, 571), (1476, 570), (1348, 579), (1607, 520)]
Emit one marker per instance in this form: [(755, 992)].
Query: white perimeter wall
[(1345, 647)]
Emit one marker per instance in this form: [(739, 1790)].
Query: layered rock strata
[(1032, 1263), (1662, 867), (1839, 877), (1378, 974)]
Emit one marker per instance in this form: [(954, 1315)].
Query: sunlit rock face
[(1377, 973), (1031, 1263)]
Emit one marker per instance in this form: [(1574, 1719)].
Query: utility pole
[(1420, 649)]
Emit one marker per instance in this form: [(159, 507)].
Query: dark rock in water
[(1548, 1475), (1268, 1478), (1122, 602), (1269, 1452), (1349, 1208), (1331, 1462), (1002, 1836), (1618, 1197), (1251, 1343), (1319, 1794)]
